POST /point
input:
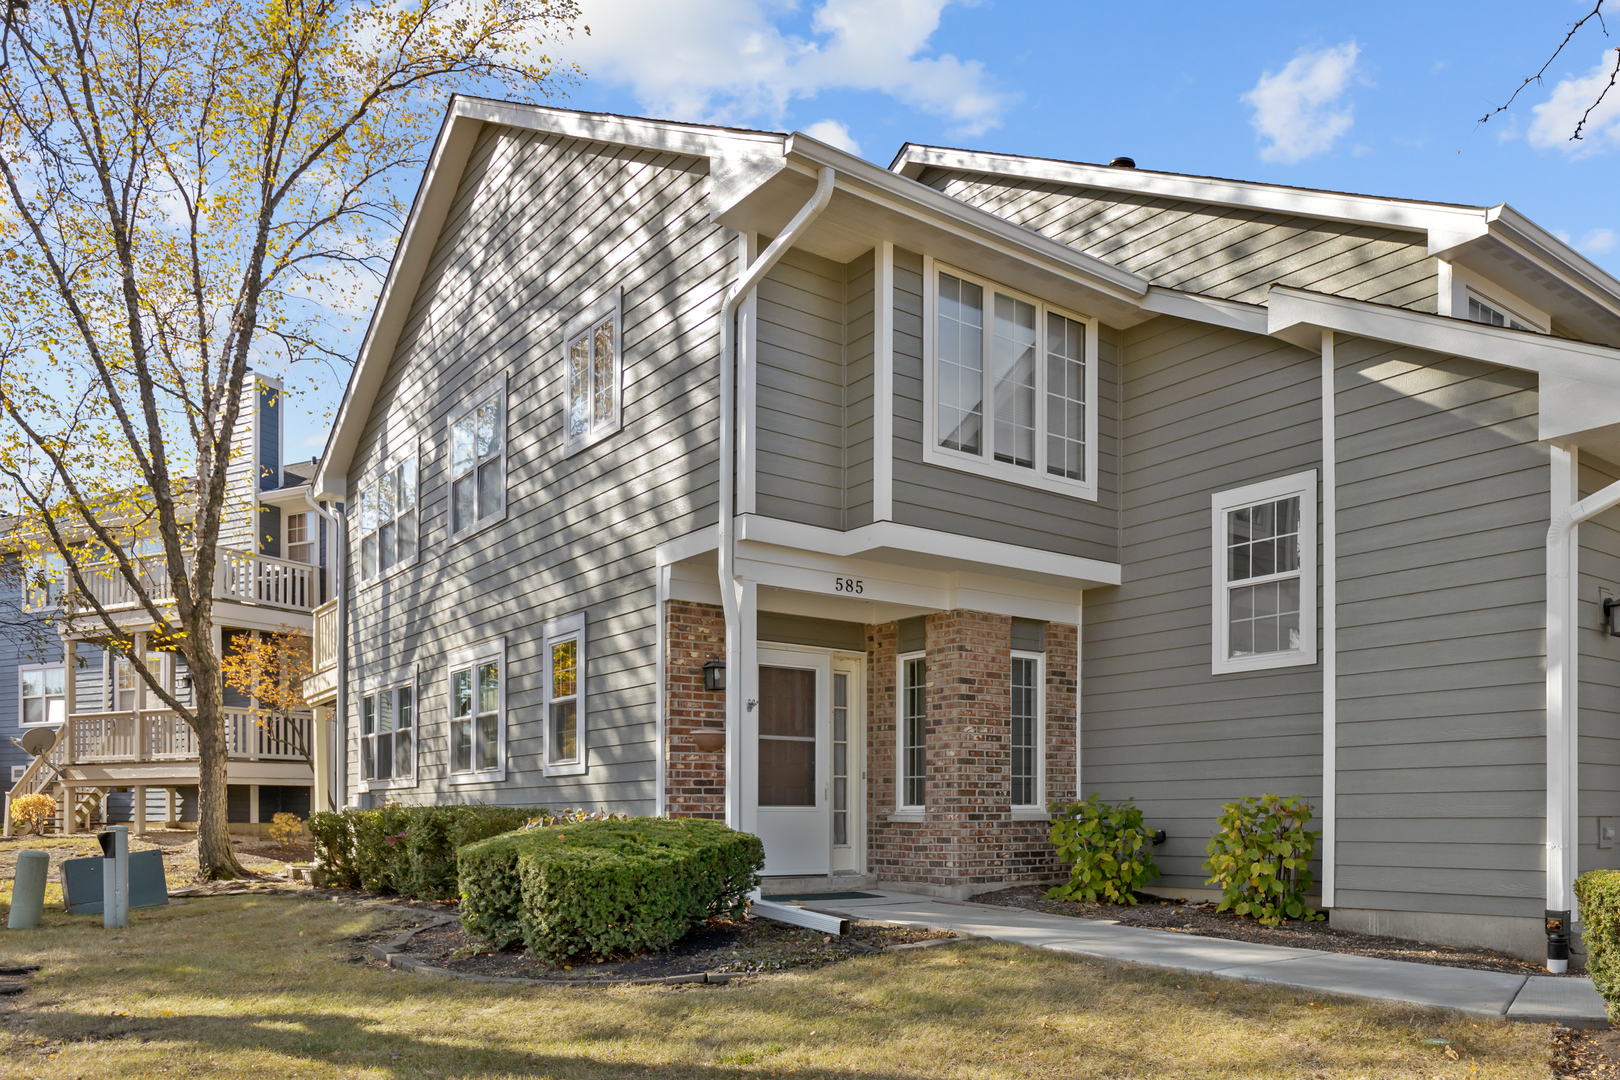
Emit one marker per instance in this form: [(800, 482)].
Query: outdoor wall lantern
[(714, 675), (1611, 616)]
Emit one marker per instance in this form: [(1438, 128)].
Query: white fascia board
[(286, 496), (1523, 349), (739, 161), (904, 195), (1250, 318), (1007, 559), (1330, 205), (1551, 254)]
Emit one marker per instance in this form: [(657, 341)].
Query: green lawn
[(264, 987)]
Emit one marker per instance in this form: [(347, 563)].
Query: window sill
[(1263, 663), (569, 768), (496, 776), (580, 445), (1030, 813), (915, 816), (396, 784), (991, 469), (473, 530), (392, 571)]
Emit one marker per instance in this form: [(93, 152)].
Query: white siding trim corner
[(883, 388), (1330, 623)]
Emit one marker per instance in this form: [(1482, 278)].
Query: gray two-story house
[(697, 471)]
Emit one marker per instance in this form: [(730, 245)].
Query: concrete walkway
[(1570, 1001)]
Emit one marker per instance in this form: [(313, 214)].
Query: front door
[(793, 752)]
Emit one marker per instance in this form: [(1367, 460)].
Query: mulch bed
[(1202, 919), (1587, 1055), (747, 946)]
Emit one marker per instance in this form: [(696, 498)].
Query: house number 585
[(848, 585)]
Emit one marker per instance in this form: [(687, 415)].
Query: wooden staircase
[(46, 774)]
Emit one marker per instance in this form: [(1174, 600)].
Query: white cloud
[(834, 133), (1298, 108), (1557, 116), (727, 61), (1599, 242)]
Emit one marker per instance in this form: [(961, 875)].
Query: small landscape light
[(714, 675)]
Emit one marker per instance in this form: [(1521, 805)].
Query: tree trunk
[(215, 859)]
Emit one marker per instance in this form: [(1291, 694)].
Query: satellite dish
[(38, 740)]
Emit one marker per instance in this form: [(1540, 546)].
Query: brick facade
[(695, 782), (968, 837)]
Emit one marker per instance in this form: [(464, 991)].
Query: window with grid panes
[(388, 730), (1026, 730), (478, 462), (913, 732), (477, 736), (593, 374), (387, 520), (1265, 563)]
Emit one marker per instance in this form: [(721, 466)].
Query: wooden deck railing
[(105, 738), (238, 575), (326, 637)]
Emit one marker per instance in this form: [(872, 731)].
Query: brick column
[(695, 781)]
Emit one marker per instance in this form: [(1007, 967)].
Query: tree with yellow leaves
[(184, 186), (271, 669)]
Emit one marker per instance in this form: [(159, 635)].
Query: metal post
[(138, 814), (115, 881)]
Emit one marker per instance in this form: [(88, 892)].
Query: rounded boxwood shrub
[(1599, 894), (599, 888)]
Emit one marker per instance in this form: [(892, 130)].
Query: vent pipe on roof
[(1123, 163)]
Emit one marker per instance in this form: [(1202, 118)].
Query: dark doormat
[(811, 896)]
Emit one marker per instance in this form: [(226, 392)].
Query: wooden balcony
[(321, 686), (239, 576)]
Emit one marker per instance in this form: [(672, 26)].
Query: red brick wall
[(968, 836), (695, 782)]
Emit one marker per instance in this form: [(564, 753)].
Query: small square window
[(1264, 558), (593, 376)]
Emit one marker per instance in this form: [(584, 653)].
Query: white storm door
[(792, 761)]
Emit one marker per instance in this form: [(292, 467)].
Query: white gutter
[(1563, 792), (729, 599)]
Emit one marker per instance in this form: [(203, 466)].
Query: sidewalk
[(1569, 1001)]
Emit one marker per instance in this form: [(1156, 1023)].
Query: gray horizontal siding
[(1223, 251), (1599, 671), (859, 382), (1441, 730), (967, 504), (1204, 410), (541, 227)]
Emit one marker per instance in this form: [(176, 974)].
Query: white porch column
[(138, 813), (68, 824), (253, 804), (742, 699), (321, 755), (171, 815)]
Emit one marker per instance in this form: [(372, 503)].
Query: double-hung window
[(913, 740), (1011, 383), (1028, 729), (388, 522), (478, 713), (301, 537), (593, 374), (42, 694), (1264, 556), (478, 460), (388, 731), (565, 748)]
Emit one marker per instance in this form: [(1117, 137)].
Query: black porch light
[(1611, 616), (714, 675)]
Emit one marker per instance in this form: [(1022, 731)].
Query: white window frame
[(461, 660), (392, 462), (17, 773), (1304, 486), (46, 712), (903, 810), (986, 464), (376, 684), (312, 531), (582, 324), (1508, 311), (558, 631), (1035, 810), (496, 388)]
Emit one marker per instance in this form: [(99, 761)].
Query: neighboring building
[(124, 749), (1039, 478)]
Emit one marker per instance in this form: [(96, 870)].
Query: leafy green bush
[(599, 888), (409, 850), (1260, 856), (1111, 849), (1599, 894)]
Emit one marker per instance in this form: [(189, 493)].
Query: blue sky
[(1375, 97)]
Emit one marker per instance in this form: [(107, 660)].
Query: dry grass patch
[(266, 986)]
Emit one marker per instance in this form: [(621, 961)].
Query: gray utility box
[(81, 883)]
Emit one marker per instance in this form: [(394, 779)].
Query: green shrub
[(1260, 856), (409, 850), (333, 837), (600, 888), (1599, 894), (1111, 849)]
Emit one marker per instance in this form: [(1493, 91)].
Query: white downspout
[(1562, 789), (730, 601)]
